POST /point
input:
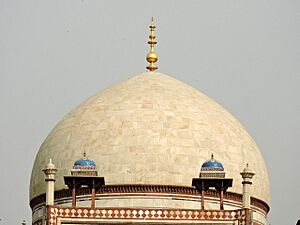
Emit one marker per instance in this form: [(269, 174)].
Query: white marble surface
[(151, 129)]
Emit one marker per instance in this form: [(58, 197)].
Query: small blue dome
[(85, 162), (212, 164)]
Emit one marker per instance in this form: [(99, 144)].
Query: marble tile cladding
[(151, 129)]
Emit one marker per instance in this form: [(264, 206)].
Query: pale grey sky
[(244, 54)]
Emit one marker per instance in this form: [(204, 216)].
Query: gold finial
[(152, 56), (212, 156)]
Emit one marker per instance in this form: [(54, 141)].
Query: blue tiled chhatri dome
[(212, 169), (84, 167), (84, 163), (212, 164)]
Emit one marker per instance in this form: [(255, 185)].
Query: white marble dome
[(151, 129)]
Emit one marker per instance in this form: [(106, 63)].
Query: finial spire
[(152, 56), (212, 156), (84, 153)]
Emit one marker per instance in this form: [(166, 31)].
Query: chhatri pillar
[(84, 174), (212, 175)]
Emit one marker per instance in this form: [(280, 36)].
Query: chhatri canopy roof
[(212, 164), (151, 129)]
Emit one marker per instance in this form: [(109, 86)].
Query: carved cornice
[(260, 204), (149, 189)]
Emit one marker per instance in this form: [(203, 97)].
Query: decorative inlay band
[(145, 214)]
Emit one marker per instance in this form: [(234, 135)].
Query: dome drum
[(178, 198)]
